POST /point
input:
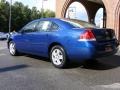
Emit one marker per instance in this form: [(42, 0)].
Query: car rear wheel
[(58, 57), (12, 49)]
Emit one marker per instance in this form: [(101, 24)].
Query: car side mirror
[(21, 32)]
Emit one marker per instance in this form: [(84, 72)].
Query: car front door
[(24, 39)]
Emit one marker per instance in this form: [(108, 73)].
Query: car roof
[(51, 19), (62, 22)]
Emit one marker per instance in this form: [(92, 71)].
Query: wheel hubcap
[(57, 57), (12, 48)]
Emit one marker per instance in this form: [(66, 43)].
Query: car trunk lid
[(103, 34)]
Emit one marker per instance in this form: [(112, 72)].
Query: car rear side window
[(43, 26), (54, 27), (46, 26)]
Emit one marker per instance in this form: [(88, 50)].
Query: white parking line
[(2, 48), (115, 86), (2, 54)]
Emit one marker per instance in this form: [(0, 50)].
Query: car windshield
[(80, 24)]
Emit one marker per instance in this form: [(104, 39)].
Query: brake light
[(87, 36)]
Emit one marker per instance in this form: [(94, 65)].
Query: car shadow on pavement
[(99, 64), (12, 68), (38, 57), (69, 66), (103, 63)]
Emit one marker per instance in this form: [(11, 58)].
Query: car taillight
[(87, 36)]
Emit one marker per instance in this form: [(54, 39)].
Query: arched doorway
[(91, 6), (76, 10), (117, 20), (118, 28), (99, 18)]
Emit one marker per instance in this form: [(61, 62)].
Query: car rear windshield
[(79, 23)]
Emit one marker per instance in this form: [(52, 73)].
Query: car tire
[(12, 49), (58, 56)]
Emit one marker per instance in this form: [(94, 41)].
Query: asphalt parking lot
[(35, 73)]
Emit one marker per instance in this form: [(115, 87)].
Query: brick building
[(111, 11)]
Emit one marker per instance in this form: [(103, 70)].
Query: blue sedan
[(63, 40)]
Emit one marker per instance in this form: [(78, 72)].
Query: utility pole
[(10, 16), (43, 8)]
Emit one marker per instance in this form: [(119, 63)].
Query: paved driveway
[(35, 73)]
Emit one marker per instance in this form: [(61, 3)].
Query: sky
[(47, 4), (80, 12)]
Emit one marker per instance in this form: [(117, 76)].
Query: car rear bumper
[(84, 50), (81, 53), (86, 53), (104, 54)]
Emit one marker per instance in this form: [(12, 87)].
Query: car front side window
[(30, 27)]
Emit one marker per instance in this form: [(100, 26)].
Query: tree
[(49, 13), (21, 15), (4, 15)]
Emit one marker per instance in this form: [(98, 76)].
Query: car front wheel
[(58, 57), (12, 49)]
